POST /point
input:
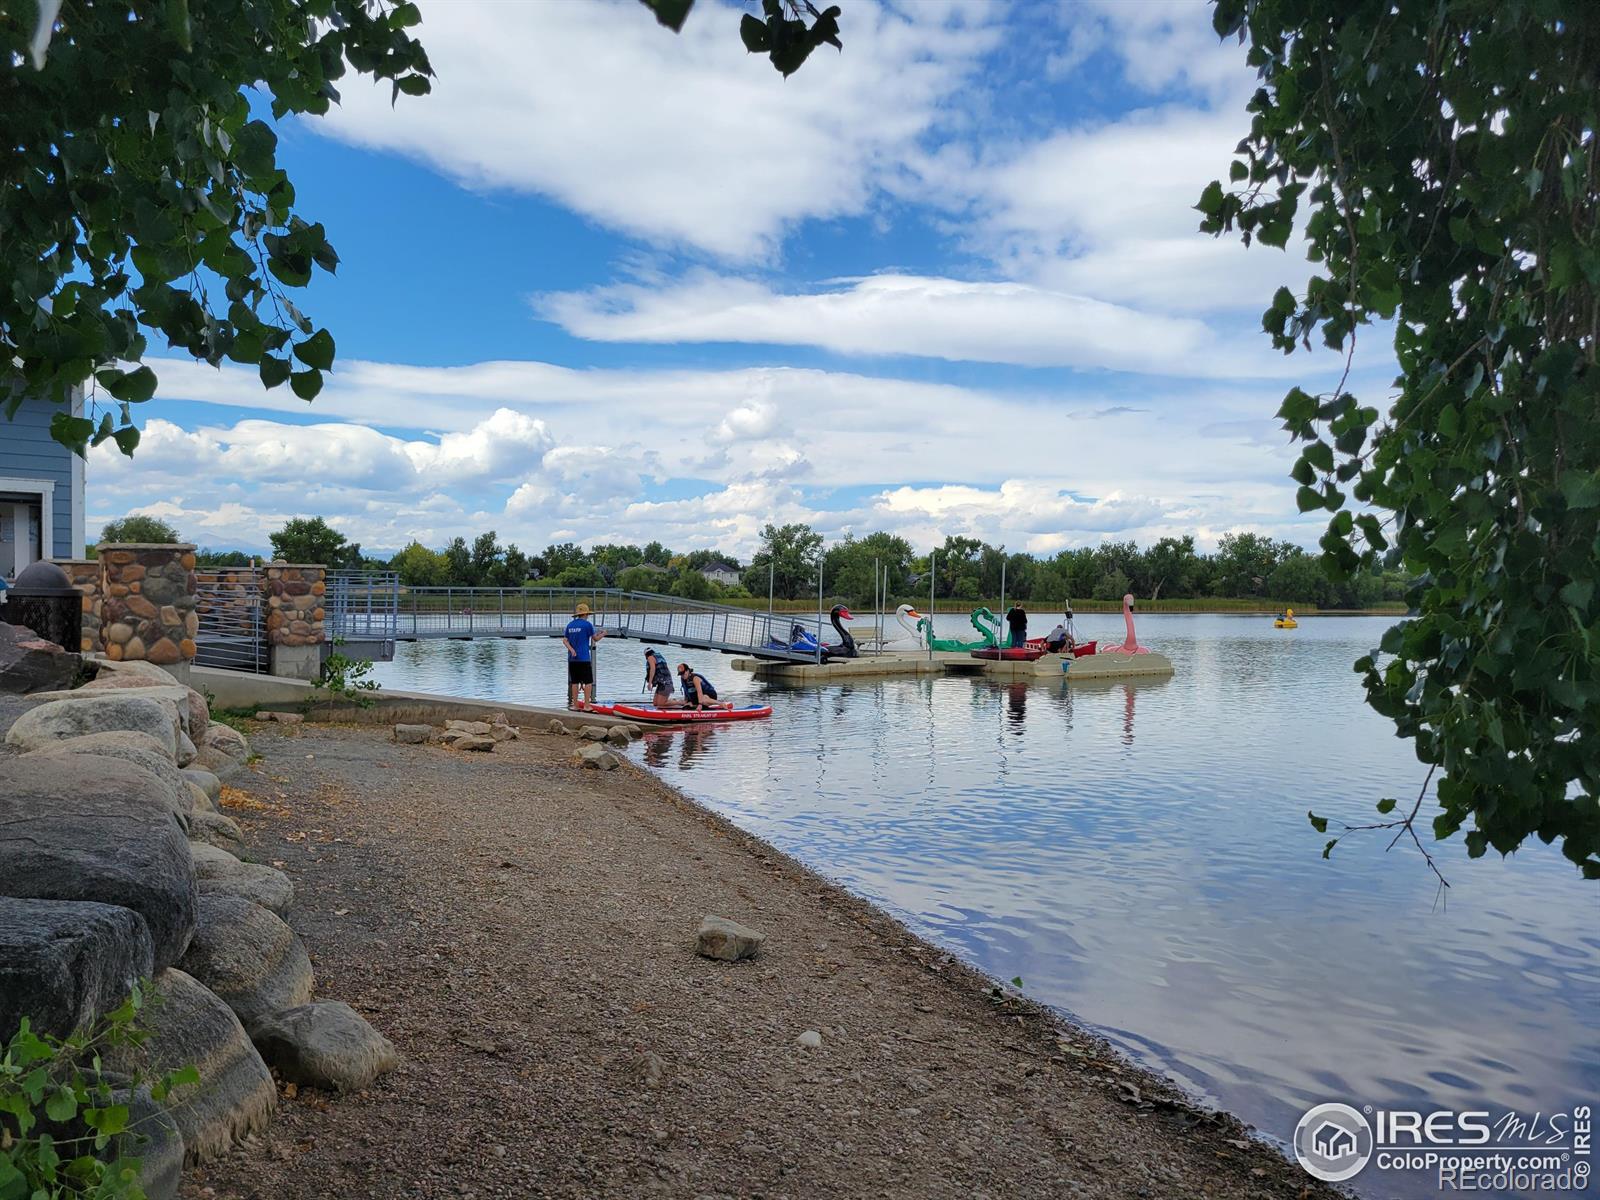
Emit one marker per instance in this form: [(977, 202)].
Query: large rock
[(172, 692), (74, 828), (28, 663), (208, 783), (412, 735), (63, 964), (725, 940), (226, 741), (249, 958), (325, 1044), (92, 712), (215, 829), (220, 873), (134, 669), (199, 712), (199, 802), (138, 748), (596, 757), (189, 1026)]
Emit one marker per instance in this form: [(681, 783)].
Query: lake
[(1139, 855)]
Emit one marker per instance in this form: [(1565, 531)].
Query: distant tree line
[(1243, 566)]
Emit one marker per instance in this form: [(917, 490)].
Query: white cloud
[(681, 139), (914, 315)]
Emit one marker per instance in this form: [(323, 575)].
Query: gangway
[(367, 609)]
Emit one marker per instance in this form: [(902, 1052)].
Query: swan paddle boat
[(1286, 621), (696, 716), (1131, 645)]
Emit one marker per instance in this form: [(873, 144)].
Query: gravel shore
[(523, 930)]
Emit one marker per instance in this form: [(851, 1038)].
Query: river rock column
[(293, 594), (148, 613), (86, 575)]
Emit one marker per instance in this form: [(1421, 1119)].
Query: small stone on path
[(810, 1039), (725, 940), (413, 735), (597, 757), (593, 733)]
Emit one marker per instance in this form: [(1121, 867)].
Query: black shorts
[(579, 672)]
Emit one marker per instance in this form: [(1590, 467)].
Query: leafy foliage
[(140, 192), (344, 680), (313, 540), (792, 553), (64, 1124), (140, 527), (781, 32), (1440, 157)]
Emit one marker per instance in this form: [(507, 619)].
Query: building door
[(21, 541)]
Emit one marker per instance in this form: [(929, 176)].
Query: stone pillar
[(293, 594), (86, 575), (148, 612)]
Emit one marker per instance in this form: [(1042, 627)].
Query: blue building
[(41, 489)]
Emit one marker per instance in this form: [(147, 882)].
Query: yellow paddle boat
[(1285, 620)]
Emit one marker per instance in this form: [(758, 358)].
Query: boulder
[(592, 733), (281, 718), (185, 754), (458, 739), (596, 757), (618, 736), (246, 955), (28, 663), (219, 872), (182, 699), (413, 735), (479, 728), (325, 1044), (216, 830), (556, 725), (137, 748), (91, 712), (504, 733), (209, 783), (633, 731), (188, 1026), (226, 741), (199, 712), (199, 802), (133, 669), (725, 940), (75, 827), (64, 963)]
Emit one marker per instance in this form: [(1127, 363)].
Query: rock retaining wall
[(86, 575), (293, 593), (148, 613)]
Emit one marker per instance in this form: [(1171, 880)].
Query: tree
[(1244, 561), (484, 563), (313, 540), (221, 558), (1169, 566), (457, 563), (1446, 152), (793, 552), (689, 584), (140, 190), (781, 32), (139, 527), (418, 566)]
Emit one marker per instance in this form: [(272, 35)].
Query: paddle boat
[(1131, 645), (1286, 620), (1026, 653)]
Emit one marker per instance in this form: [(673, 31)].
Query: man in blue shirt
[(579, 640)]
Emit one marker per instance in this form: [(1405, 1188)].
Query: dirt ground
[(523, 930)]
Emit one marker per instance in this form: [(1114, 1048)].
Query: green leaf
[(1386, 806), (670, 13), (135, 387), (255, 149), (273, 370), (127, 439), (62, 1106), (1578, 593), (1211, 199), (1581, 488), (306, 384), (316, 351), (72, 432), (1308, 499), (1320, 824), (753, 32)]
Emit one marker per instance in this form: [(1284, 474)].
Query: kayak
[(1077, 650), (674, 715), (1010, 654)]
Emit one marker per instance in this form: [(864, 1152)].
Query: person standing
[(1017, 618), (579, 640)]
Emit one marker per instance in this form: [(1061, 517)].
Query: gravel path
[(523, 931)]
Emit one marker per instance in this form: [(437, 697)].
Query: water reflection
[(1138, 852)]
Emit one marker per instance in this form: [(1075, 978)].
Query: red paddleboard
[(1009, 654), (696, 715), (599, 710)]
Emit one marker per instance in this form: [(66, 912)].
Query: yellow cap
[(583, 610)]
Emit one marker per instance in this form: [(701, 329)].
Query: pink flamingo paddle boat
[(1131, 646)]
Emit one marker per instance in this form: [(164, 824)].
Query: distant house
[(721, 572), (41, 488)]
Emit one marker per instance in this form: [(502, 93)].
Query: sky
[(612, 284)]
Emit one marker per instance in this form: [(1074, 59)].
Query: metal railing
[(451, 612), (232, 629)]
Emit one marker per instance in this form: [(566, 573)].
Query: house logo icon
[(1333, 1142)]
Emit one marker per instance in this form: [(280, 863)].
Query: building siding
[(28, 452)]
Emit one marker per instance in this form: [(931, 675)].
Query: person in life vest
[(658, 679), (579, 639), (697, 689)]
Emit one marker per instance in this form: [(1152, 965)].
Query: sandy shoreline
[(523, 930)]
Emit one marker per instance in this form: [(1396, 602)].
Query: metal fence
[(232, 631), (434, 612)]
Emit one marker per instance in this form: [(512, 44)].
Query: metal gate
[(233, 628)]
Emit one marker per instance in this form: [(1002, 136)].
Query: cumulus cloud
[(686, 140)]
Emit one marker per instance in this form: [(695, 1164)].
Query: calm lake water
[(1138, 853)]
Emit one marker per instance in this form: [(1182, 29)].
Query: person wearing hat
[(579, 640), (658, 678)]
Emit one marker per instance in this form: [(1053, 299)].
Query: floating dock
[(956, 662)]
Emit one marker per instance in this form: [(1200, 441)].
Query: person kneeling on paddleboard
[(697, 689), (658, 678)]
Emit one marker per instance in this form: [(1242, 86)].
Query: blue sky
[(609, 284)]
